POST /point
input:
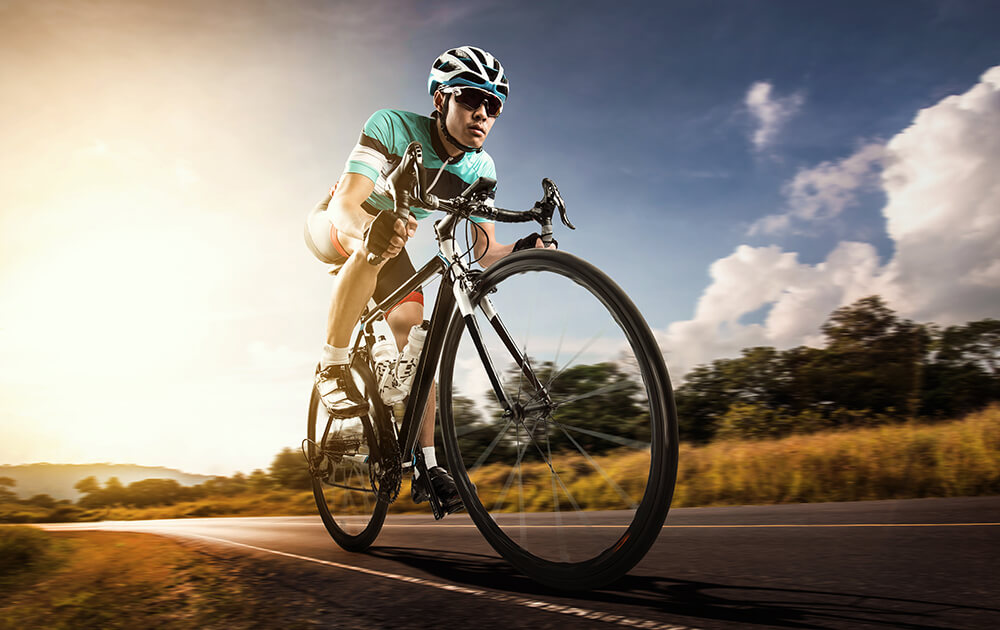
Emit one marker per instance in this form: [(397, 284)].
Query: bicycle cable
[(471, 248)]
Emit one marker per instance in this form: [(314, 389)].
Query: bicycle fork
[(472, 325)]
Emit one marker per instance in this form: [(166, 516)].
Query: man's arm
[(352, 220), (347, 214), (488, 250)]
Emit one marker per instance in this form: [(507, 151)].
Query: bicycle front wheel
[(347, 500), (573, 486)]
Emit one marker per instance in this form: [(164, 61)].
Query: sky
[(740, 169)]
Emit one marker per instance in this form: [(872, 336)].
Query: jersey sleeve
[(488, 169), (372, 153)]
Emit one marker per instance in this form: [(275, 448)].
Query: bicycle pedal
[(421, 489)]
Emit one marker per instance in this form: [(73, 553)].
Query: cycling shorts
[(323, 241)]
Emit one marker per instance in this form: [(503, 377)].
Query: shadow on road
[(701, 600)]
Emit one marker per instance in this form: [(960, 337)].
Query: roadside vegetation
[(871, 415), (101, 580), (895, 461)]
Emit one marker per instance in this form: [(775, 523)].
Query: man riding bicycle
[(469, 89)]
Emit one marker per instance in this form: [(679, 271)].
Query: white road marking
[(573, 611)]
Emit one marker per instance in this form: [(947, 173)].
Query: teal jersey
[(380, 149)]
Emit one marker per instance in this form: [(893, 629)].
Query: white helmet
[(469, 66)]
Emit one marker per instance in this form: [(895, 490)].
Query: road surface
[(926, 563)]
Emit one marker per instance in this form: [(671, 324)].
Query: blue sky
[(740, 168)]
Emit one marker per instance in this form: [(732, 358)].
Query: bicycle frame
[(456, 290)]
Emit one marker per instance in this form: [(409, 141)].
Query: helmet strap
[(441, 117)]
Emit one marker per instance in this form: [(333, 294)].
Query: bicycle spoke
[(607, 389), (489, 449), (590, 460), (548, 463), (520, 491), (563, 553), (586, 346), (472, 428), (588, 414), (510, 477), (634, 444)]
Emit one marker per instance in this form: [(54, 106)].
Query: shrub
[(22, 547)]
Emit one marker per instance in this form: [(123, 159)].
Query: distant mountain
[(57, 480)]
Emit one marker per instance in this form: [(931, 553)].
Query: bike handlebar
[(407, 185)]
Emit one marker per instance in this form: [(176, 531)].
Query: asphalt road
[(926, 563)]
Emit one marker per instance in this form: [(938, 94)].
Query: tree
[(289, 470), (42, 500), (259, 481), (5, 493), (963, 376), (114, 492), (152, 492), (874, 360), (701, 401), (91, 491)]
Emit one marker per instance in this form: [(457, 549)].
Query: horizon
[(774, 162)]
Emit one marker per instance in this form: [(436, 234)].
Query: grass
[(26, 554), (121, 580), (901, 461)]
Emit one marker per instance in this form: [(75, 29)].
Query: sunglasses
[(472, 98)]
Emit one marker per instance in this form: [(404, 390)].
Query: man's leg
[(354, 286), (401, 320)]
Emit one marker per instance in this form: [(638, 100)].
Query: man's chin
[(473, 141)]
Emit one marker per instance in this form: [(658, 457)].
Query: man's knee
[(406, 316)]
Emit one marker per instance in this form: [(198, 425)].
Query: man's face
[(470, 127)]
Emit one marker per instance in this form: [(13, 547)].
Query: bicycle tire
[(600, 553), (353, 518)]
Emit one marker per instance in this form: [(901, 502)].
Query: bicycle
[(566, 466)]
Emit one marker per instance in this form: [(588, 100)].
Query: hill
[(57, 480)]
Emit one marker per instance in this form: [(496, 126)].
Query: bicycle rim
[(576, 493), (347, 502)]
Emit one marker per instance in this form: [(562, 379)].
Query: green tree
[(964, 374), (597, 399), (91, 491), (259, 481), (289, 470), (42, 500), (701, 401), (114, 492), (150, 492), (873, 359)]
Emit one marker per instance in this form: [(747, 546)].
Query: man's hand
[(387, 234), (534, 241)]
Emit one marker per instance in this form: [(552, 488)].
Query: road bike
[(555, 408)]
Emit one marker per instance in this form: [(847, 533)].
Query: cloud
[(824, 191), (769, 112), (943, 195), (943, 207)]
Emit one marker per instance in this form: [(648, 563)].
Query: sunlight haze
[(158, 305)]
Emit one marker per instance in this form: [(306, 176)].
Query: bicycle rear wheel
[(573, 487), (348, 502)]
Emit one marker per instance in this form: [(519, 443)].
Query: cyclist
[(469, 89)]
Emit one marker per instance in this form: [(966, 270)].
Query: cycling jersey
[(380, 149)]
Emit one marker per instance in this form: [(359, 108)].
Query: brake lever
[(552, 196), (402, 182)]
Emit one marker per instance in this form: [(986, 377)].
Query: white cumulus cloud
[(769, 112), (824, 191), (940, 176)]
